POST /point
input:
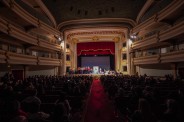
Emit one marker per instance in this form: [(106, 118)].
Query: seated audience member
[(35, 114), (62, 109), (144, 113), (28, 101), (63, 99), (10, 112), (32, 98), (60, 114), (172, 114)]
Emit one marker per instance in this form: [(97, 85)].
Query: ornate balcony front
[(15, 58), (49, 61), (145, 42), (2, 56), (175, 56), (153, 59)]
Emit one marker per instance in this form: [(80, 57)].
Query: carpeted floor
[(99, 108)]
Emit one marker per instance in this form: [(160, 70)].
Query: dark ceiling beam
[(103, 22), (46, 11), (29, 28), (168, 22), (146, 6)]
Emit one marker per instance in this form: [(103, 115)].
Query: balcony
[(22, 59), (145, 42), (153, 59), (167, 13), (2, 56), (15, 58), (159, 39), (172, 32), (124, 62), (175, 56), (49, 61), (29, 18), (26, 37)]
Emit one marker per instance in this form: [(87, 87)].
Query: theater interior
[(91, 61)]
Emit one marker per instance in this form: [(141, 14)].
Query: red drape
[(96, 48)]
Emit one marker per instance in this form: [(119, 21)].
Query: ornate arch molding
[(103, 22), (96, 31), (46, 11), (146, 6)]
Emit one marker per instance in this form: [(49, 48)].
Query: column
[(75, 56), (117, 53), (26, 69), (174, 70), (64, 59), (132, 66), (60, 53)]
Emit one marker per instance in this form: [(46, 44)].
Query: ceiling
[(65, 10), (91, 15)]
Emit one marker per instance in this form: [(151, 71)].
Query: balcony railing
[(160, 37), (2, 56), (49, 61), (175, 56), (15, 58), (25, 37), (170, 57), (153, 59)]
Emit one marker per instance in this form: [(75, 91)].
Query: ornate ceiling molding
[(146, 6), (96, 34), (47, 12), (118, 22)]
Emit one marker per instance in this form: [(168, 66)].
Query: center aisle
[(99, 108)]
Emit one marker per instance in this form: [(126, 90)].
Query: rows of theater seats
[(44, 99), (146, 99)]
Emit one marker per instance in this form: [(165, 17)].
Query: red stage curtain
[(96, 48)]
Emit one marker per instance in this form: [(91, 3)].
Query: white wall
[(31, 70), (153, 72), (42, 72)]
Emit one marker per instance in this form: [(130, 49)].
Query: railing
[(159, 16), (15, 58), (17, 33), (153, 59), (170, 57), (29, 18), (145, 42), (162, 36), (175, 56), (49, 61), (2, 56)]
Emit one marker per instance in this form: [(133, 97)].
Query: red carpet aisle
[(99, 108)]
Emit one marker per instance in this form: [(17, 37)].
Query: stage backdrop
[(101, 61), (98, 53), (96, 48)]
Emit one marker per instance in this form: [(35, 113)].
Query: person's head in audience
[(11, 112), (32, 92), (171, 106), (34, 107), (144, 106), (62, 97)]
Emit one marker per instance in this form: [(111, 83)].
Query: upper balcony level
[(25, 15), (20, 34), (167, 15), (16, 58), (161, 38), (169, 57)]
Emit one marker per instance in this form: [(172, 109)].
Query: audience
[(34, 94), (142, 98), (60, 98)]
